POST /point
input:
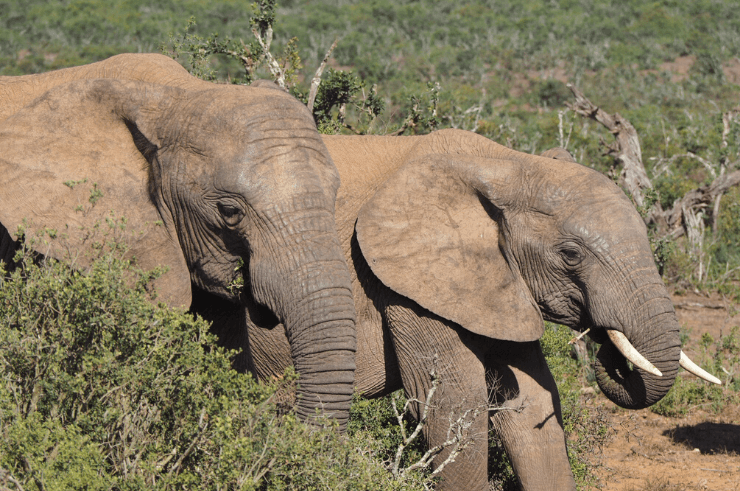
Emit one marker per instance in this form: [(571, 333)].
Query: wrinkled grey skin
[(461, 247), (227, 183)]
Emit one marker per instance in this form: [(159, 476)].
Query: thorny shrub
[(102, 389)]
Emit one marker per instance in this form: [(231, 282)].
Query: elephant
[(459, 248), (229, 187)]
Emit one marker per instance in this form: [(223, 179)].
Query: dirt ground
[(700, 451)]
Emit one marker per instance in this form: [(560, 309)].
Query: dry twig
[(316, 80), (457, 434), (7, 476), (273, 65)]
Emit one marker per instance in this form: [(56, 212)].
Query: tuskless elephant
[(229, 187), (459, 248)]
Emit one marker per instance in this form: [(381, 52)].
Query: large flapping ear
[(428, 235), (76, 164)]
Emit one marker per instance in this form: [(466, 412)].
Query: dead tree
[(686, 216), (626, 152)]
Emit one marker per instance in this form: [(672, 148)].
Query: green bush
[(374, 420), (102, 389), (720, 357)]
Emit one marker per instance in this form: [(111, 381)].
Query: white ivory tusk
[(692, 367), (629, 352)]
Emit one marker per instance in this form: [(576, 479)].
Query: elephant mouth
[(260, 315), (632, 355)]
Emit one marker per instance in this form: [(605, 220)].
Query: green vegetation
[(720, 357), (100, 389)]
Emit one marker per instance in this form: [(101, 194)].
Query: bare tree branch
[(202, 425), (626, 149), (272, 63), (9, 477), (701, 197), (316, 80), (686, 212), (407, 440), (458, 431), (726, 121), (246, 60)]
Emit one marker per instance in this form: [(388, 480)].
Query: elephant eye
[(571, 255), (230, 213)]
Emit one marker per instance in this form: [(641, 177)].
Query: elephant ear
[(76, 169), (267, 84), (558, 153), (432, 232)]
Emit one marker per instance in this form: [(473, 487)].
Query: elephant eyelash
[(571, 256), (230, 213)]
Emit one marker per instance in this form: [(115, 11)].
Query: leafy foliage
[(252, 56), (336, 90), (339, 102), (720, 357), (101, 389)]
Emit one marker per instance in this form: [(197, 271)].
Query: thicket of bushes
[(100, 389)]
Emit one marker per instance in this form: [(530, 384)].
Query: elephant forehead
[(236, 133), (278, 170), (571, 185), (243, 144), (606, 224)]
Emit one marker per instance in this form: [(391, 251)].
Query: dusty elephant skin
[(218, 183), (461, 247)]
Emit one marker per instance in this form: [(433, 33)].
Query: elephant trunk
[(310, 294), (321, 333), (653, 332)]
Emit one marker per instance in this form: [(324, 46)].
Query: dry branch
[(701, 197), (316, 81), (7, 476), (688, 211), (626, 149), (458, 437), (277, 72)]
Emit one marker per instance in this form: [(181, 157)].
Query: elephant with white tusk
[(459, 248)]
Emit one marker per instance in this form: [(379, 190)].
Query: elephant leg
[(8, 246), (423, 346), (529, 421)]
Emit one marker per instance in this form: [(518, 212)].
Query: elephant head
[(498, 243), (219, 185)]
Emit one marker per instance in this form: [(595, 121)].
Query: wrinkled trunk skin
[(652, 328), (323, 352), (309, 291)]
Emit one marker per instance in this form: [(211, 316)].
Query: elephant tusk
[(692, 367), (629, 352)]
